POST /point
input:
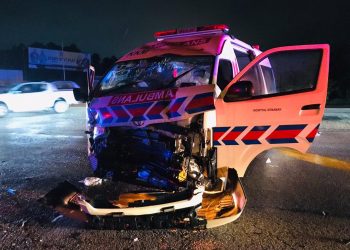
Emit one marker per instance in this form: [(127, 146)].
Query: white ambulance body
[(191, 111), (301, 105)]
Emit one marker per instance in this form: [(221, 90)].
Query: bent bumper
[(192, 212)]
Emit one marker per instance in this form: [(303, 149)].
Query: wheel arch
[(60, 99), (244, 158), (7, 107), (57, 99), (2, 102)]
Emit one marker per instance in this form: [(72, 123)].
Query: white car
[(35, 96)]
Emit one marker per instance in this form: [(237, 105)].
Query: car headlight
[(98, 131)]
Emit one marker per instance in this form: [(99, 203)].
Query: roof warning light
[(192, 31)]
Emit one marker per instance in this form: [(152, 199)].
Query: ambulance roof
[(194, 45)]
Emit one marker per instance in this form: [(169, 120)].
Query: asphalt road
[(292, 202)]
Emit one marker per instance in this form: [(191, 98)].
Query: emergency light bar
[(191, 31)]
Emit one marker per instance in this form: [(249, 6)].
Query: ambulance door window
[(225, 73), (254, 76), (269, 79), (242, 59), (284, 73)]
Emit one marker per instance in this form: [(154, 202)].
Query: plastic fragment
[(268, 160), (136, 239), (57, 218), (23, 222), (11, 191), (91, 181)]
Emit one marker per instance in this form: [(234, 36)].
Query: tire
[(3, 110), (60, 106)]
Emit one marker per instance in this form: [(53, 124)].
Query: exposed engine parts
[(165, 156)]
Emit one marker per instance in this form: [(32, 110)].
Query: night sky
[(115, 27)]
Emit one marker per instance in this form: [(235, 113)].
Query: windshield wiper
[(181, 75)]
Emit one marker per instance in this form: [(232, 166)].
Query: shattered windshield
[(169, 71)]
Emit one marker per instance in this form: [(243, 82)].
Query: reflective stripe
[(285, 134), (311, 136), (282, 134), (161, 110)]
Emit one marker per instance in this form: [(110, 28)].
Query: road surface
[(294, 201)]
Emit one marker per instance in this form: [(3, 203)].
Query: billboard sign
[(57, 59)]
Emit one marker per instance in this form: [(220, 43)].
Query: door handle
[(311, 107)]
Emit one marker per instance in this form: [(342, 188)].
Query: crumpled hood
[(143, 108)]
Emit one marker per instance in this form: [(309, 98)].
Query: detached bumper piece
[(182, 218), (153, 210), (221, 208)]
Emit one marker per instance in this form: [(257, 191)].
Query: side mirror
[(241, 90), (80, 95), (91, 78)]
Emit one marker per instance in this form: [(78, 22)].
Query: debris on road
[(23, 223), (91, 181), (136, 239), (268, 160), (56, 218), (11, 191)]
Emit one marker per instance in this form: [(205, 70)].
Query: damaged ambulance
[(180, 119)]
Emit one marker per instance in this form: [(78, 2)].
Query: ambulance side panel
[(288, 116)]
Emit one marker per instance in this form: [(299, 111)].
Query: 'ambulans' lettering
[(133, 98)]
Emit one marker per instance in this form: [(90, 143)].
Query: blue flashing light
[(159, 182), (144, 174), (167, 154)]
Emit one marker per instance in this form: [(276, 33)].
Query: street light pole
[(63, 67)]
